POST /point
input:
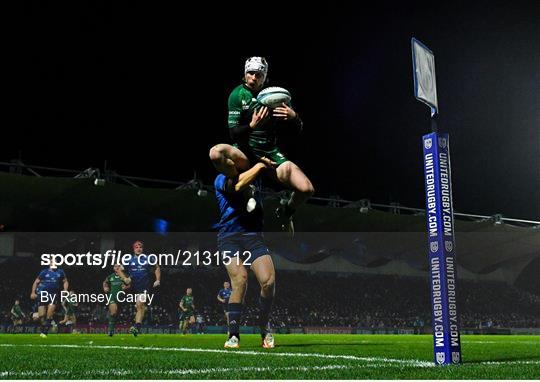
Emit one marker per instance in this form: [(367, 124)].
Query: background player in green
[(187, 308), (113, 284), (69, 306), (17, 315), (253, 130)]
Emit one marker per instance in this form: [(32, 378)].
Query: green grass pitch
[(78, 356)]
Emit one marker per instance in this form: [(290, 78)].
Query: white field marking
[(501, 342), (216, 370), (530, 362), (125, 372), (405, 362), (115, 372)]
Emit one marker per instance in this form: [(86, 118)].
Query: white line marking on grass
[(125, 372), (501, 342), (529, 362), (405, 362), (28, 374), (214, 370)]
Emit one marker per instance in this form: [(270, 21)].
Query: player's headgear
[(256, 64)]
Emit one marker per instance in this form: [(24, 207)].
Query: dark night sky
[(145, 88)]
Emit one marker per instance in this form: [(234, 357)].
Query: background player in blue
[(139, 273), (223, 297), (46, 290), (240, 230)]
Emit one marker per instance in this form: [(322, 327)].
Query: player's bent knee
[(307, 188), (240, 281), (215, 153), (285, 169)]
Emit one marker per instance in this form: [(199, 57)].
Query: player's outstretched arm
[(247, 177), (106, 286), (66, 284)]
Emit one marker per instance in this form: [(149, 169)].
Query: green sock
[(112, 322)]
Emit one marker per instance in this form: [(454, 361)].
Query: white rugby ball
[(273, 96)]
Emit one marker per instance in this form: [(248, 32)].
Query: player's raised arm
[(120, 272), (247, 177), (106, 288)]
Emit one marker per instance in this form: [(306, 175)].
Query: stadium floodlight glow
[(439, 215)]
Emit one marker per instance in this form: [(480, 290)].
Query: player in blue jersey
[(240, 240), (46, 291), (138, 270), (223, 298)]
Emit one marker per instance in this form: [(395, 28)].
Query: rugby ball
[(273, 96)]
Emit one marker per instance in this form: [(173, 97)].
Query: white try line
[(172, 372), (373, 361), (405, 362)]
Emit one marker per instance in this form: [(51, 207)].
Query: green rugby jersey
[(242, 103), (187, 303), (70, 306), (115, 284), (17, 311)]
